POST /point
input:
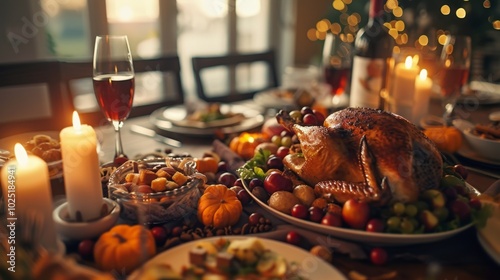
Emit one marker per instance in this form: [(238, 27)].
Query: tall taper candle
[(82, 179)]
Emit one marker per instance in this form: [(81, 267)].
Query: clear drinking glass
[(454, 71), (113, 78)]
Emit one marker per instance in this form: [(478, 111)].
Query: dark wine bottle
[(372, 52)]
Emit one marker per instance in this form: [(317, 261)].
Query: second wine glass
[(336, 64), (454, 74), (113, 78)]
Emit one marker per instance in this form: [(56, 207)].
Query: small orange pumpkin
[(219, 207), (447, 138), (124, 248), (244, 144)]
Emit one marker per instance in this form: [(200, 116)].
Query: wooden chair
[(231, 63), (32, 98), (157, 84)]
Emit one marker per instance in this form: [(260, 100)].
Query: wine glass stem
[(449, 110), (118, 139)]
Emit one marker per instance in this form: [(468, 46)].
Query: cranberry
[(228, 179), (86, 249), (294, 238), (254, 218), (315, 214), (119, 160), (255, 182), (274, 162), (310, 119), (375, 225), (243, 197), (300, 211), (160, 235), (378, 256)]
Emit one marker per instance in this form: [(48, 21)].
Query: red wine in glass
[(337, 78), (115, 94), (452, 80)]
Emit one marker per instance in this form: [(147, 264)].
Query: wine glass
[(336, 64), (113, 79), (454, 73)]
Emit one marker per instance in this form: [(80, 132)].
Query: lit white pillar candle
[(28, 198), (423, 87), (82, 179), (404, 87)]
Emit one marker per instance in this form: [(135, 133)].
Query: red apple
[(356, 213), (275, 181)]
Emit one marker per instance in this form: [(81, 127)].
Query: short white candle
[(404, 87), (423, 87), (82, 178), (28, 198)]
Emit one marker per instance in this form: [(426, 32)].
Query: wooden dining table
[(458, 257)]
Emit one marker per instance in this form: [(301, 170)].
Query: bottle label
[(367, 81)]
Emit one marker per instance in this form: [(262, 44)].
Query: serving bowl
[(161, 206), (487, 148)]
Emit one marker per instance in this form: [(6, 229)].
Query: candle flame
[(423, 74), (408, 62), (76, 121), (21, 154)]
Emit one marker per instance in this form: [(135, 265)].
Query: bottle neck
[(376, 8)]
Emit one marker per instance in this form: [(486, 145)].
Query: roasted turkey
[(365, 154)]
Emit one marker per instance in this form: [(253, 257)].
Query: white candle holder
[(73, 230)]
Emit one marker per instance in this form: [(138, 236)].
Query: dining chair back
[(234, 77), (158, 84), (32, 98)]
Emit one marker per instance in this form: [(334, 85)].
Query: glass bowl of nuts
[(156, 191)]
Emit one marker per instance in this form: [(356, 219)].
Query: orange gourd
[(244, 144), (219, 207), (124, 248), (447, 138)]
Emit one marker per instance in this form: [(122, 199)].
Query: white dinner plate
[(252, 119), (277, 98), (467, 151), (372, 238), (487, 248), (312, 267), (179, 116)]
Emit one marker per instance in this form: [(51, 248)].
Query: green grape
[(296, 115), (398, 208), (441, 213), (407, 226), (276, 139), (286, 141), (415, 222), (411, 210), (393, 223), (422, 205)]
